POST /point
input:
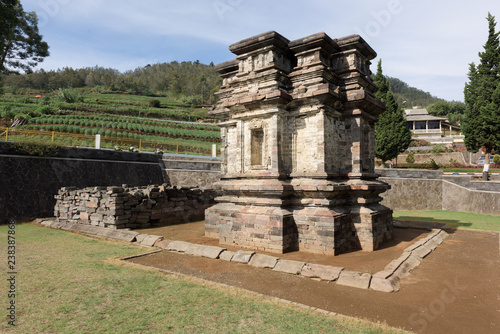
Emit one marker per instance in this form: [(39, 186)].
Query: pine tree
[(481, 124), (21, 45), (391, 134)]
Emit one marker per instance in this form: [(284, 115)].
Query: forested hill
[(413, 96), (191, 81)]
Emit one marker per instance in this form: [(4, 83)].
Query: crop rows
[(92, 120), (125, 130)]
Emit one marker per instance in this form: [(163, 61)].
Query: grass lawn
[(452, 219), (469, 170), (66, 283)]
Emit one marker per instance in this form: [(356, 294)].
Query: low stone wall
[(136, 207), (188, 171), (458, 198), (441, 158), (431, 190)]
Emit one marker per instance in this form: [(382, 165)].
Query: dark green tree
[(21, 45), (481, 124), (391, 134)]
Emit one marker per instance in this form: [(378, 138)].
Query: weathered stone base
[(268, 229), (320, 230)]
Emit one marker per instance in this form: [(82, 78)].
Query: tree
[(391, 134), (481, 124), (21, 45)]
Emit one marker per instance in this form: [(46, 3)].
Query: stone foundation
[(137, 207)]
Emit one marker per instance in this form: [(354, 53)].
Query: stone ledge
[(355, 279), (386, 280), (289, 266)]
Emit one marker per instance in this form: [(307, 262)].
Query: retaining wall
[(28, 184), (431, 190), (190, 171)]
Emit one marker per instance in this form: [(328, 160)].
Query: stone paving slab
[(390, 284), (128, 236), (242, 256), (140, 238), (263, 261), (289, 266), (355, 279), (211, 252), (150, 240), (326, 273), (178, 246), (226, 255), (162, 243)]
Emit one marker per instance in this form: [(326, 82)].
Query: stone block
[(408, 265), (326, 273), (422, 251), (242, 256), (150, 240), (380, 283), (140, 238), (128, 236), (354, 279), (263, 261), (178, 246), (289, 266), (226, 255), (162, 243), (211, 252)]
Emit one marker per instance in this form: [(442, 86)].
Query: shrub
[(410, 158), (496, 159), (433, 163), (44, 100), (45, 110), (36, 149), (439, 149), (154, 103), (69, 96)]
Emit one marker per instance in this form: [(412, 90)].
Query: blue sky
[(428, 43)]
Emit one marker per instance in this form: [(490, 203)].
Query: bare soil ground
[(455, 290)]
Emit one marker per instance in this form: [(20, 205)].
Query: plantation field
[(115, 116)]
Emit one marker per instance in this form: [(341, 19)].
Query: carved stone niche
[(297, 125)]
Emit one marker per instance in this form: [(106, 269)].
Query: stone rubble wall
[(131, 207)]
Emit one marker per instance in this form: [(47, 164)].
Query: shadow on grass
[(450, 225)]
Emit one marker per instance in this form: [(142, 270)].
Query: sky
[(429, 44)]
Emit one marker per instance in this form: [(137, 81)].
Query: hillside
[(413, 96)]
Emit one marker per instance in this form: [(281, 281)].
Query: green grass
[(469, 170), (452, 219), (67, 284)]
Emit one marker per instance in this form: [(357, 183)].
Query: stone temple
[(297, 125)]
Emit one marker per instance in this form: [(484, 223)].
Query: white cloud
[(429, 42)]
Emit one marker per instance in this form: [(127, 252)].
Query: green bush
[(496, 159), (34, 148), (410, 158), (69, 96), (433, 164), (440, 148), (45, 110), (44, 100), (154, 103)]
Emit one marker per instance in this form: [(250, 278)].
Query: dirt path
[(455, 290)]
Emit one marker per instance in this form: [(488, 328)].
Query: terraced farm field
[(158, 120)]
